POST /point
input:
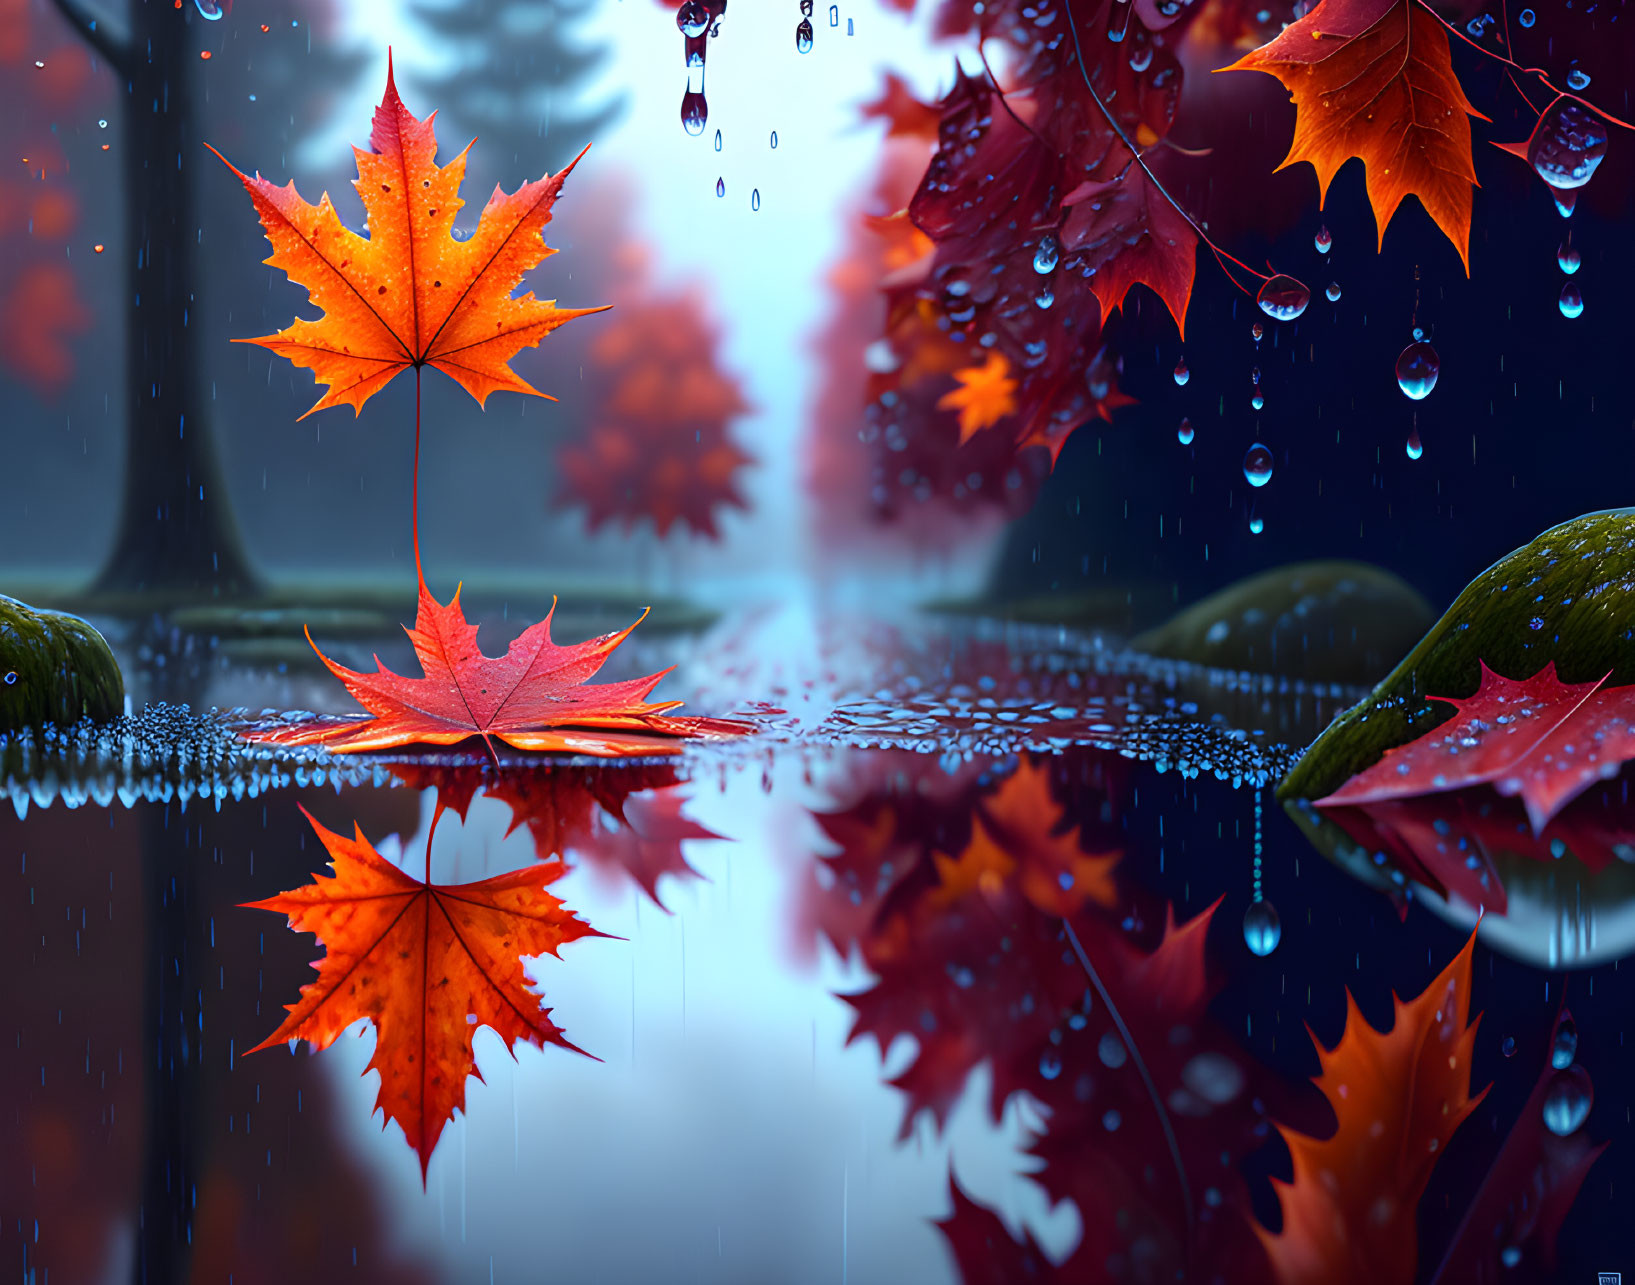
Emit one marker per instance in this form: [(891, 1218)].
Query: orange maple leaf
[(1349, 1214), (427, 964), (985, 396), (535, 697), (1374, 79), (409, 294)]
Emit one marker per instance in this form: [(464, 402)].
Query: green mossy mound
[(1568, 597), (1321, 622), (54, 668)]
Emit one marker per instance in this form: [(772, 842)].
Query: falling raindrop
[(1333, 292), (718, 140), (720, 187), (834, 15), (1565, 1047), (1324, 240), (1256, 331), (1258, 401), (755, 199), (1417, 369), (774, 140), (1047, 254), (803, 37), (1572, 300), (1527, 17), (1414, 447), (692, 19), (1567, 258), (1184, 434), (1262, 929), (849, 30), (1045, 297), (1257, 465), (1567, 1101), (1283, 298), (1182, 374), (694, 111)]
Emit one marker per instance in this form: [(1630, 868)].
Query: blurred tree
[(514, 76)]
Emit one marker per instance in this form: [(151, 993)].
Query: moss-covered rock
[(1567, 597), (54, 668), (1322, 622)]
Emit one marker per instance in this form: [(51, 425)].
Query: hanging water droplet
[(1567, 256), (1283, 298), (1045, 297), (1414, 447), (1567, 1101), (694, 112), (1324, 240), (1565, 1047), (806, 8), (720, 187), (1572, 300), (803, 37), (1140, 59), (1050, 1064), (1333, 292), (755, 199), (1258, 401), (1182, 374), (209, 10), (1527, 17), (1047, 254), (1257, 464), (1418, 334), (834, 15), (774, 140), (1256, 331), (692, 19), (1565, 203), (1417, 369), (718, 140), (1184, 434), (1577, 79), (1262, 929), (1568, 143), (1254, 374)]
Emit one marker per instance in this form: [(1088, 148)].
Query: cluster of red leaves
[(659, 445), (40, 306)]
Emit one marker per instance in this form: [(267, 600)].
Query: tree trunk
[(176, 533)]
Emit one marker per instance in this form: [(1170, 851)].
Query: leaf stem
[(415, 501)]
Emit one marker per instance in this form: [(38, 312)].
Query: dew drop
[(1047, 254), (1324, 240), (1417, 369), (803, 37), (1184, 434), (1182, 374), (1257, 464), (1262, 929), (1567, 1101), (1283, 298), (1572, 300), (1415, 447), (1333, 292)]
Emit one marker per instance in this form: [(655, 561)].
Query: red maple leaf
[(427, 964), (535, 697), (1539, 738)]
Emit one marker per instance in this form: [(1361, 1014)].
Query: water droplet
[(1047, 254), (1417, 369), (1527, 17), (806, 8), (774, 140), (1324, 240), (1567, 1101), (1510, 1255), (834, 15), (1257, 465), (1182, 374), (1050, 1064), (692, 19), (11, 677), (755, 199), (209, 10), (1507, 1046), (718, 140), (1572, 300), (1140, 59), (1184, 434), (720, 187), (1045, 297), (1256, 331), (1565, 203), (803, 37), (1418, 333), (1567, 258), (694, 111), (1568, 143), (1577, 79), (1414, 447), (1565, 1047), (1258, 401), (1283, 298), (1262, 929), (1333, 292), (1110, 1049), (849, 29), (102, 124)]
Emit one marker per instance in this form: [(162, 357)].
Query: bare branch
[(97, 29)]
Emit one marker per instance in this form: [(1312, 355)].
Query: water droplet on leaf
[(1047, 254)]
